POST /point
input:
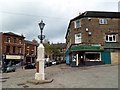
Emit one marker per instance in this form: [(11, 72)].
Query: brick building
[(30, 51), (0, 48), (93, 36), (12, 48)]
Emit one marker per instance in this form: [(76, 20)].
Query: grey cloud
[(23, 16)]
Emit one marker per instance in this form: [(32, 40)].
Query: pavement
[(64, 76)]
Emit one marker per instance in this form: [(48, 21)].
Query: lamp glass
[(41, 25)]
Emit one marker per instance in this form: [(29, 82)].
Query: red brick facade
[(30, 51), (17, 44), (13, 47)]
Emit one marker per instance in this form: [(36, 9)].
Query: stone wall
[(115, 58)]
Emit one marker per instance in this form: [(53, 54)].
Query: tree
[(48, 50)]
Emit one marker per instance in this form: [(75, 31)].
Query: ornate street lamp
[(41, 25), (39, 75)]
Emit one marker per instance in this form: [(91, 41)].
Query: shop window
[(78, 38), (91, 56)]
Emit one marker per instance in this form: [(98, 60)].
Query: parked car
[(30, 66), (56, 62), (48, 63), (9, 68), (53, 62)]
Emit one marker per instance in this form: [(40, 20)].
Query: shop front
[(30, 59), (84, 55), (13, 59)]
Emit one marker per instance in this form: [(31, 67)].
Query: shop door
[(106, 57)]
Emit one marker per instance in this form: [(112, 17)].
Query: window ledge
[(111, 42)]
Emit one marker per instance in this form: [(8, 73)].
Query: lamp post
[(41, 25), (39, 75)]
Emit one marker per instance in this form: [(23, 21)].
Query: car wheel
[(13, 70)]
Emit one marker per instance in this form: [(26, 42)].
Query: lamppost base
[(39, 76), (39, 81)]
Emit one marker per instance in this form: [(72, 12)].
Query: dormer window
[(77, 23)]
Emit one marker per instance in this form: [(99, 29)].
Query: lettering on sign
[(14, 57)]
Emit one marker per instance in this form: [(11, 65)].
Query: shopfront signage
[(14, 57), (86, 48)]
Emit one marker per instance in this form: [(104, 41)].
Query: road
[(64, 76)]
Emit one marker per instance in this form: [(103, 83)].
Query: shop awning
[(86, 48)]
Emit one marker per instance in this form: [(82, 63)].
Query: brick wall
[(30, 48), (11, 44), (98, 31)]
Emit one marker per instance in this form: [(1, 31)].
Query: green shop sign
[(86, 48)]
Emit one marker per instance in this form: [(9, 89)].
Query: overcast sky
[(23, 16)]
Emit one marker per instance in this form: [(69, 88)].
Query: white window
[(19, 50), (102, 21), (20, 41), (78, 38), (77, 23), (110, 38), (8, 39)]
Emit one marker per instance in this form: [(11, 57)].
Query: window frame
[(77, 23), (112, 37), (15, 40), (19, 50), (103, 21), (8, 39), (7, 49), (78, 39), (14, 49), (20, 41)]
